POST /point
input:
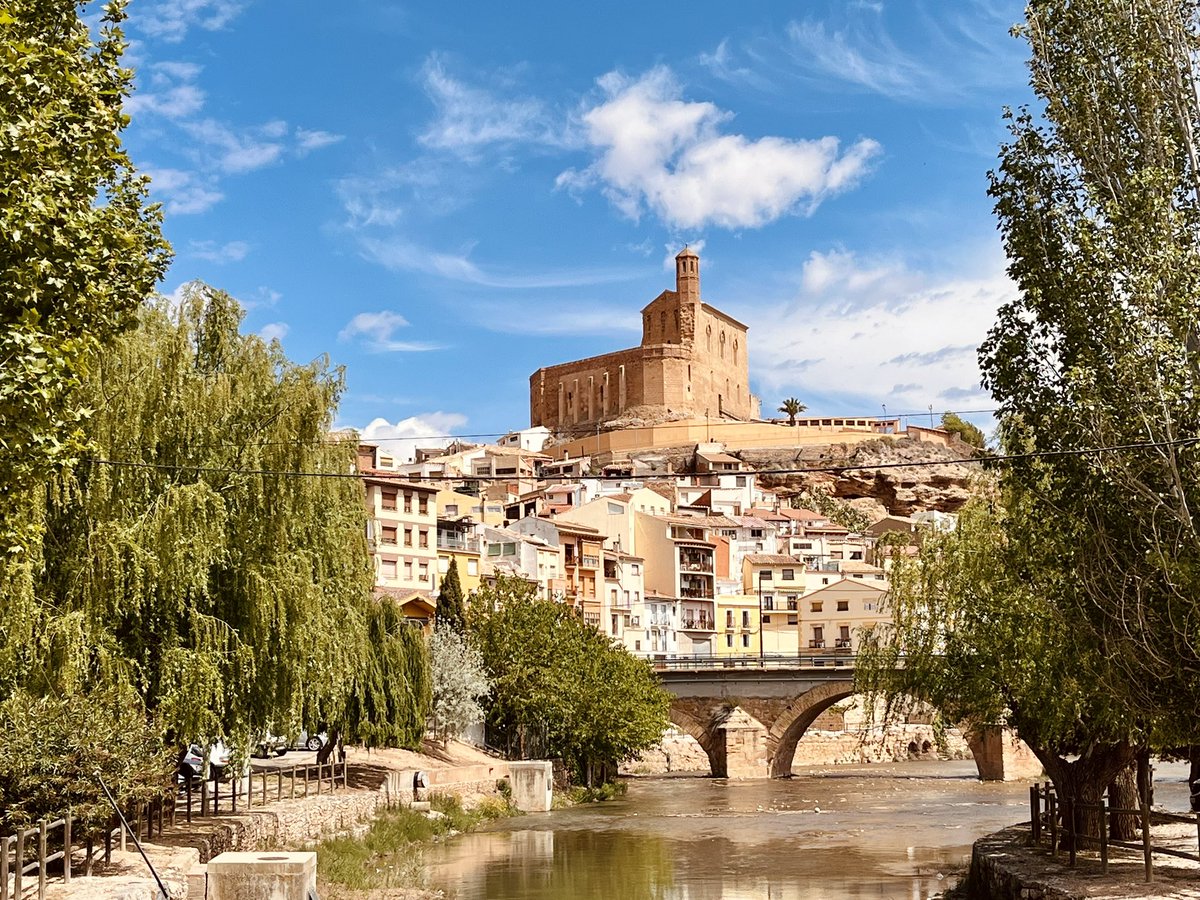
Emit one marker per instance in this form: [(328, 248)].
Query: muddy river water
[(901, 830)]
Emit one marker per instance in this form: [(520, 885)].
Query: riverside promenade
[(1006, 866)]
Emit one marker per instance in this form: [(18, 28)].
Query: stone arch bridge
[(748, 714)]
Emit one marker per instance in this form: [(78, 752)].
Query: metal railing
[(708, 663)]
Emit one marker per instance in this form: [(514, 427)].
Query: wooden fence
[(32, 850), (1059, 819)]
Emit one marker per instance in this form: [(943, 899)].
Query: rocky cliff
[(876, 489)]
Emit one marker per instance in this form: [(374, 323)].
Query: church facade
[(691, 362)]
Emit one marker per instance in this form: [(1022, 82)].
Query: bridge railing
[(716, 663)]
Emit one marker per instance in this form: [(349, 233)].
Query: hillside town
[(654, 529)]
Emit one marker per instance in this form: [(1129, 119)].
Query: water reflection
[(896, 831)]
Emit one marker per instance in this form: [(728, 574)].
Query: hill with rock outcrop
[(880, 482)]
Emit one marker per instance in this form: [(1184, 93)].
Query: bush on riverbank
[(384, 856)]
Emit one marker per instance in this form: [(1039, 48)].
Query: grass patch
[(388, 854), (607, 791)]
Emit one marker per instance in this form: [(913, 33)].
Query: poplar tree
[(80, 245), (1099, 206)]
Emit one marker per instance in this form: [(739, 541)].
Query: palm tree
[(791, 407)]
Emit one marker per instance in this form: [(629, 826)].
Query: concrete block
[(197, 882), (532, 785), (262, 876)]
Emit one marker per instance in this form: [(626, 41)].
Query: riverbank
[(1004, 866), (377, 780)]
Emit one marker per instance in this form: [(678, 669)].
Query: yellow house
[(737, 625), (457, 540), (455, 505), (835, 617)]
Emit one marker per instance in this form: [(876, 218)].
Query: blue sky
[(444, 197)]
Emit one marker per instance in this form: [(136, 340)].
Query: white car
[(306, 741), (218, 757)]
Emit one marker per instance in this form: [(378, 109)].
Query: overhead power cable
[(658, 476)]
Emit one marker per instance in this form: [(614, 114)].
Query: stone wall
[(293, 823)]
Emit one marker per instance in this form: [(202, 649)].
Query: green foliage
[(956, 424), (197, 573), (80, 246), (53, 747), (384, 858), (819, 499), (390, 693), (450, 606), (459, 680), (1099, 208), (972, 635), (559, 687), (792, 407)]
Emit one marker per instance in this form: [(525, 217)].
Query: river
[(900, 830)]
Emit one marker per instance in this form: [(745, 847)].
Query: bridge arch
[(685, 716), (795, 719)]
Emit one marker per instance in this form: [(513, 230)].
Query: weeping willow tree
[(184, 560)]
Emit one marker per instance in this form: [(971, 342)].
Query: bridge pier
[(740, 747), (1002, 756)]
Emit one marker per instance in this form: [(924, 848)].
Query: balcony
[(842, 644), (589, 562), (453, 542), (703, 592), (816, 645), (701, 623), (705, 566)]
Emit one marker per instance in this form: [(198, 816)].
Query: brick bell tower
[(687, 276)]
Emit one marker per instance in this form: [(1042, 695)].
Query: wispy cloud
[(659, 152), (401, 254), (170, 20), (590, 319), (874, 331), (307, 140), (169, 94), (183, 193), (231, 251), (469, 118), (865, 56), (375, 331)]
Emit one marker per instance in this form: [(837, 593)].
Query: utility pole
[(761, 653)]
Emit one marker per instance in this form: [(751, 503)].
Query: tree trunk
[(324, 754), (1123, 794), (1083, 781), (1194, 776)]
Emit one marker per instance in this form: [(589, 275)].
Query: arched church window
[(708, 338), (723, 346), (735, 349)]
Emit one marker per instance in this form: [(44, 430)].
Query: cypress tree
[(451, 609)]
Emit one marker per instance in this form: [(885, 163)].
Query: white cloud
[(866, 57), (307, 140), (170, 20), (375, 330), (432, 429), (273, 331), (584, 319), (182, 193), (660, 152), (238, 152), (167, 89), (868, 332), (232, 251), (401, 254), (469, 118)]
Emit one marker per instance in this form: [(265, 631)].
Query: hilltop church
[(691, 361)]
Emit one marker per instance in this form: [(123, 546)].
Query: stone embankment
[(1004, 866)]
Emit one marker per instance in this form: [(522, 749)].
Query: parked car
[(306, 741), (271, 744), (217, 754)]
